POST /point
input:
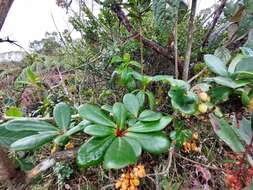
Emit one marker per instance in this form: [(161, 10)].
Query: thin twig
[(197, 75), (195, 162)]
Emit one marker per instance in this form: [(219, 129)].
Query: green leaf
[(62, 115), (61, 140), (181, 136), (91, 152), (116, 59), (162, 78), (228, 82), (126, 58), (234, 62), (147, 127), (33, 141), (132, 104), (246, 51), (215, 64), (226, 133), (77, 128), (245, 98), (245, 64), (25, 124), (152, 142), (95, 115), (148, 115), (120, 114), (120, 154), (151, 100), (223, 53), (182, 100), (107, 108), (220, 94), (8, 137), (99, 130), (14, 112), (141, 97), (249, 42), (244, 131), (135, 63), (135, 145)]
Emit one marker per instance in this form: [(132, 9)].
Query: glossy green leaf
[(94, 114), (14, 112), (148, 115), (146, 127), (135, 145), (29, 125), (120, 154), (91, 152), (141, 97), (162, 78), (152, 142), (99, 130), (107, 108), (120, 114), (116, 59), (62, 115), (61, 140), (234, 62), (132, 104), (33, 141), (151, 100), (77, 128), (228, 82), (182, 100), (223, 53), (215, 64), (8, 137), (245, 64), (226, 134)]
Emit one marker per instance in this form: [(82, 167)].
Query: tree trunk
[(5, 6)]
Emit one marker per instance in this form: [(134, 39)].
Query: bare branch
[(189, 40), (217, 15)]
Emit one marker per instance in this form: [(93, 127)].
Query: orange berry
[(69, 146)]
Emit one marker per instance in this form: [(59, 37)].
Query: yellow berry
[(195, 136), (202, 108), (203, 96)]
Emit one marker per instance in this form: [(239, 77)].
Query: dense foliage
[(112, 97)]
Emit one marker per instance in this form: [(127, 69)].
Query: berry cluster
[(238, 173), (131, 179), (191, 145), (204, 98)]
